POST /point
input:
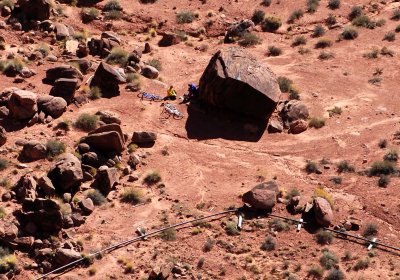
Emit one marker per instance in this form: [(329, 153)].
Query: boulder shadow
[(207, 122)]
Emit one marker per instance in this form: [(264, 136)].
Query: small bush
[(299, 40), (3, 164), (266, 3), (153, 177), (271, 24), (89, 14), (55, 148), (248, 39), (112, 5), (81, 37), (185, 17), (396, 15), (2, 213), (303, 51), (11, 65), (113, 15), (86, 122), (155, 63), (316, 272), (375, 80), (370, 230), (92, 271), (397, 29), (117, 56), (335, 274), (383, 181), (7, 3), (361, 264), (168, 235), (323, 43), (349, 33), (312, 6), (278, 225), (208, 245), (330, 20), (372, 54), (363, 21), (231, 229), (324, 237), (321, 192), (274, 51), (258, 16), (200, 262), (132, 195), (316, 122), (334, 4), (8, 262), (387, 52), (97, 197), (285, 84), (43, 48), (325, 55), (269, 244), (382, 143), (311, 167), (390, 36), (345, 167), (295, 15), (335, 111), (356, 11), (94, 93), (292, 193), (328, 260), (319, 30), (148, 1), (336, 180), (392, 155), (382, 168)]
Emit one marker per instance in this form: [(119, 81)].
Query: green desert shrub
[(325, 55), (292, 193), (387, 52), (337, 180), (43, 48), (334, 4), (3, 164), (331, 20), (316, 122), (392, 155), (278, 225), (345, 167), (132, 195), (153, 177), (271, 24), (168, 235), (89, 14), (208, 245), (349, 33), (112, 5), (94, 93), (382, 168), (335, 274), (185, 17), (156, 63), (248, 39), (294, 93), (335, 111), (315, 271), (328, 260), (312, 6), (311, 167), (231, 228), (269, 244), (356, 11), (274, 51), (55, 148), (390, 36), (361, 264), (258, 16), (285, 84), (363, 21), (295, 15), (324, 237), (86, 122), (113, 15), (318, 31), (370, 230), (383, 181), (374, 53), (299, 40), (266, 3), (382, 143), (117, 56), (396, 15), (323, 43), (96, 196), (397, 29), (11, 65), (7, 3)]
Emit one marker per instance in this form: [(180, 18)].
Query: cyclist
[(171, 94)]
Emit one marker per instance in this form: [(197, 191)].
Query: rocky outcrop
[(64, 71), (107, 138), (86, 206), (52, 106), (107, 79), (3, 136), (34, 150), (293, 110), (104, 45), (65, 256), (323, 211), (141, 137), (169, 39), (35, 9), (65, 88), (22, 104), (66, 173), (262, 196), (108, 117), (25, 188), (236, 81), (106, 179), (238, 29), (150, 72)]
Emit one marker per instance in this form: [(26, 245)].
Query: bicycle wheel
[(140, 95), (178, 116)]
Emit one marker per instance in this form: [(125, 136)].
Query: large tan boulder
[(66, 173), (22, 104), (323, 211), (262, 196), (107, 138)]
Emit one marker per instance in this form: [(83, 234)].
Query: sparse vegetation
[(271, 24), (269, 244), (208, 245), (397, 29), (383, 181), (94, 93), (295, 15), (392, 155), (382, 168), (2, 213), (168, 235), (382, 143), (132, 195), (337, 180), (325, 55), (330, 20), (153, 177), (8, 261), (363, 21), (3, 164), (396, 15), (356, 11), (349, 33), (390, 36), (316, 271), (89, 14), (274, 51), (334, 4), (266, 3), (86, 122), (323, 43), (299, 40), (96, 196), (113, 15), (319, 30), (335, 111), (258, 16), (43, 48), (316, 122), (278, 225), (292, 193), (156, 63), (285, 84), (231, 228), (312, 6), (345, 167), (362, 264), (55, 148), (321, 192), (11, 66), (185, 17), (387, 52), (374, 53), (112, 5), (370, 230), (335, 274), (328, 259), (248, 39), (117, 56), (324, 237)]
